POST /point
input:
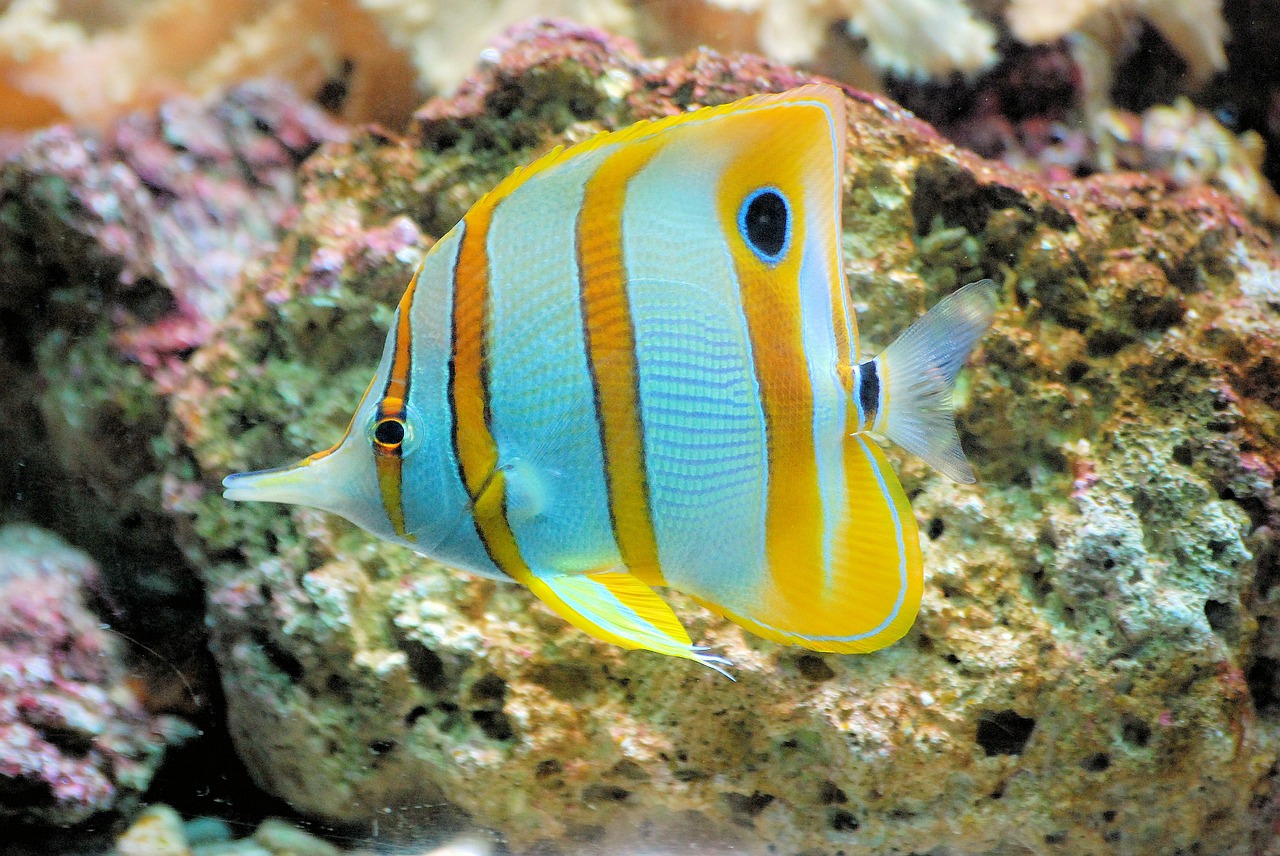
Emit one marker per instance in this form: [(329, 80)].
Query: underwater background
[(208, 211)]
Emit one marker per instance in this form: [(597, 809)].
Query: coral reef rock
[(118, 251), (1196, 28), (913, 38), (74, 737), (1096, 667)]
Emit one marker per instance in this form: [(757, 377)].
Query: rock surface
[(119, 250), (1096, 668), (75, 739)]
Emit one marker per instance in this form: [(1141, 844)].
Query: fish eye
[(765, 223), (389, 432)]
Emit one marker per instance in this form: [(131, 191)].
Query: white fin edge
[(620, 609), (917, 374)]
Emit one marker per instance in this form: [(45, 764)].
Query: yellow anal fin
[(616, 607), (873, 585)]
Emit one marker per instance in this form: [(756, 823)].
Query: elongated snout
[(340, 480)]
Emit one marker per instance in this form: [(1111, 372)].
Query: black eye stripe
[(389, 432), (765, 223)]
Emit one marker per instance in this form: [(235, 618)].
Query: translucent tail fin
[(917, 374)]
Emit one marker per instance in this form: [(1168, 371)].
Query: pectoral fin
[(616, 607)]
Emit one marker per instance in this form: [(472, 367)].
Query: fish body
[(633, 364)]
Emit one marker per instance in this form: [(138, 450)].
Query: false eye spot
[(389, 433), (765, 223)]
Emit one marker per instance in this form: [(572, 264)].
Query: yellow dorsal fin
[(616, 607), (648, 128)]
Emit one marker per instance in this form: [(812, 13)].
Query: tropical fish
[(634, 364)]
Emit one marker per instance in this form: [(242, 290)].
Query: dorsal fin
[(826, 93)]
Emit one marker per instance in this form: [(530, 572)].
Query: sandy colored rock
[(1095, 668), (156, 832)]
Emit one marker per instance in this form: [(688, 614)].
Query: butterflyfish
[(634, 364)]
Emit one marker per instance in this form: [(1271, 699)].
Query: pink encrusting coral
[(119, 250), (74, 738), (181, 197)]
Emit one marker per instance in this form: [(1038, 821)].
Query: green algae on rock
[(1096, 663), (119, 249)]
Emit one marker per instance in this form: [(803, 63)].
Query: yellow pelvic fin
[(616, 607)]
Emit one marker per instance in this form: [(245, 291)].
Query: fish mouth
[(332, 480), (288, 484)]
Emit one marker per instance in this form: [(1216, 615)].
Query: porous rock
[(75, 739), (119, 250), (1095, 667)]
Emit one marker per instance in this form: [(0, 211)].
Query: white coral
[(925, 38), (444, 38), (1195, 28), (913, 38)]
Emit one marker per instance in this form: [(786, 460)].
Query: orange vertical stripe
[(474, 445), (395, 395), (396, 392), (845, 319), (609, 333), (794, 519)]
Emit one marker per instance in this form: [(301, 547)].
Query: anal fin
[(867, 597), (616, 607)]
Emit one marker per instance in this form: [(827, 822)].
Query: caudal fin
[(917, 374)]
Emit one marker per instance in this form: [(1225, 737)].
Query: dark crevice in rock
[(1153, 72), (1223, 619), (688, 774), (844, 821), (945, 190), (1097, 762), (814, 668), (25, 791), (547, 768), (831, 794), (495, 724), (281, 660), (746, 806), (69, 741), (604, 793), (425, 665), (1134, 731), (629, 770), (1004, 732), (340, 688), (489, 688), (1263, 680)]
